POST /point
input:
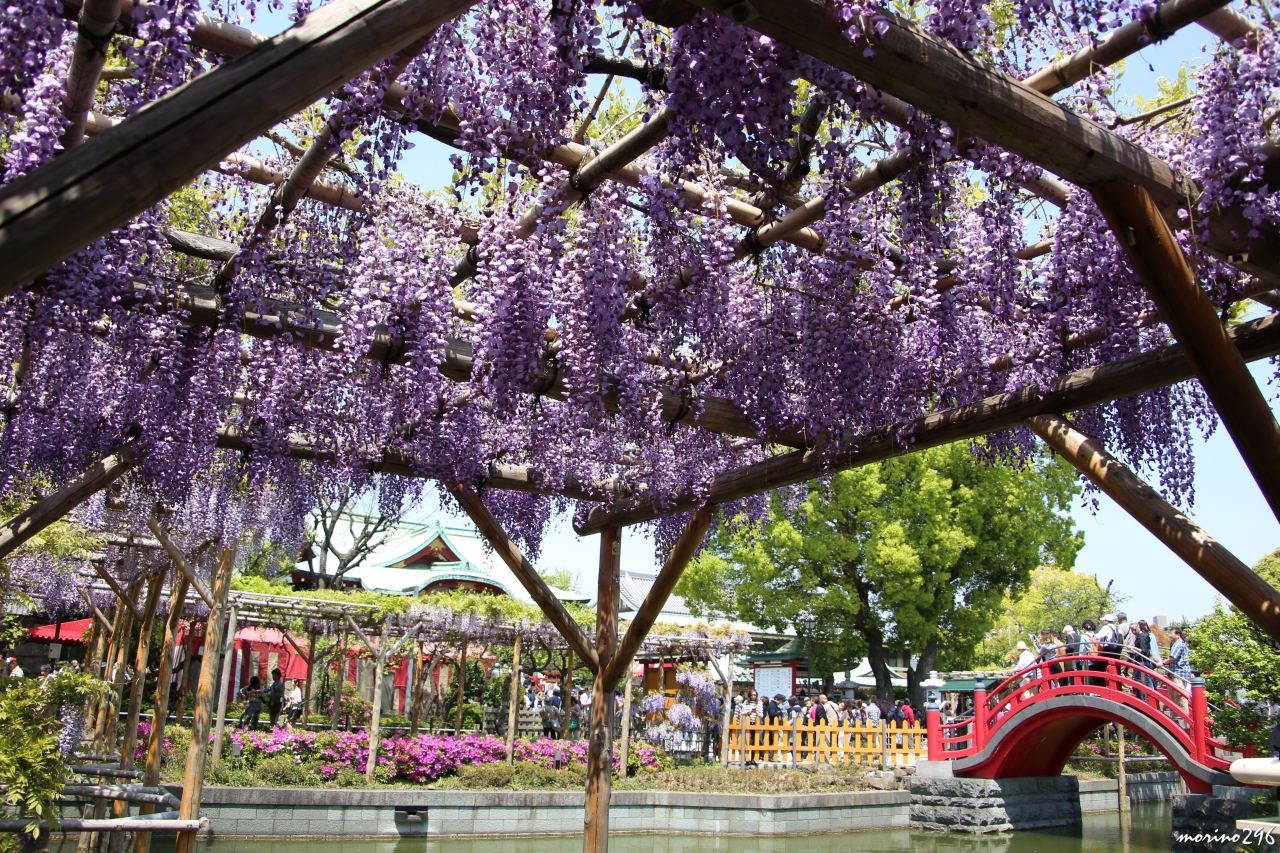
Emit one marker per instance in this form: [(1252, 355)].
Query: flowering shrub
[(421, 759)]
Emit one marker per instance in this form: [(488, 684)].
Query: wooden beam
[(1158, 260), (197, 751), (66, 204), (513, 703), (375, 717), (179, 559), (595, 836), (1081, 389), (925, 70), (52, 507), (1242, 586), (683, 551), (528, 576)]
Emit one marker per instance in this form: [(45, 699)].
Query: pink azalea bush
[(422, 758)]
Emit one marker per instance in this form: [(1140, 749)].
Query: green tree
[(561, 578), (916, 552), (1241, 667), (1053, 599)]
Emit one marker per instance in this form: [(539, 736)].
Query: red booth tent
[(62, 632)]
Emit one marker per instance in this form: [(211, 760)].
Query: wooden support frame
[(928, 72), (197, 751), (43, 214), (514, 702), (49, 509), (124, 597), (1168, 278), (672, 569), (525, 573), (104, 624), (1081, 389), (1242, 586)]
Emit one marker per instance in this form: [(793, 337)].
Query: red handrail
[(1176, 710)]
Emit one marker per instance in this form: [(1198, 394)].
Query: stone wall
[(994, 805), (1207, 824), (274, 812)]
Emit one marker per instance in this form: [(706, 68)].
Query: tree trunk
[(880, 669), (918, 673), (462, 687)]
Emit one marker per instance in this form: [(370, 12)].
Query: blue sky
[(1228, 503)]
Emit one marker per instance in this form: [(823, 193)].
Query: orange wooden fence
[(796, 744)]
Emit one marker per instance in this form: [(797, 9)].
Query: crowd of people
[(1133, 646), (283, 696)]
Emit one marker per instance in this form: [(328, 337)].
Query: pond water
[(1146, 831)]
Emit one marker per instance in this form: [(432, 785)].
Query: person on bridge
[(1179, 664), (1107, 644), (1140, 654)]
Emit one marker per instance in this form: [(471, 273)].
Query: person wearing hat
[(1107, 644), (1070, 646), (15, 671)]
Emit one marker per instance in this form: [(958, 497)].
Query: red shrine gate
[(1031, 723)]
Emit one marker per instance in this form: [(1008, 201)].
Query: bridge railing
[(1180, 712)]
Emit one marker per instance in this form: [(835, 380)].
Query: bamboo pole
[(155, 742), (1081, 389), (595, 838), (224, 682), (1162, 267), (1238, 583), (197, 752), (94, 29), (462, 682), (513, 711), (49, 509), (155, 585)]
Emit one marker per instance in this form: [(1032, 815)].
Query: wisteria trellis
[(628, 293)]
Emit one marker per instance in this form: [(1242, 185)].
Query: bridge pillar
[(933, 730), (979, 714), (1199, 717)]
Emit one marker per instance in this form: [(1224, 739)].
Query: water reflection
[(1146, 830)]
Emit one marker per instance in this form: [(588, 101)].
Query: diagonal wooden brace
[(1168, 278), (527, 575), (685, 549), (1242, 586)]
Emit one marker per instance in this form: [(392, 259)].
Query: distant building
[(417, 558)]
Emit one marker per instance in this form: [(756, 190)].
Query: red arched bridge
[(1031, 723)]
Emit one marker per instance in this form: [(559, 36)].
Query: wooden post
[(336, 710), (118, 670), (151, 772), (312, 660), (513, 710), (624, 748), (567, 705), (228, 655), (107, 673), (155, 585), (49, 509), (415, 716), (1242, 586), (1122, 789), (595, 837), (1168, 278), (184, 677), (375, 718), (462, 684), (198, 751)]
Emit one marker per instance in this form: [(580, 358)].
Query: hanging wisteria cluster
[(252, 387)]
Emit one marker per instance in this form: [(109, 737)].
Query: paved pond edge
[(419, 813)]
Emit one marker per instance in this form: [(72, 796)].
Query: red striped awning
[(63, 632)]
